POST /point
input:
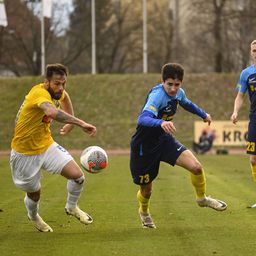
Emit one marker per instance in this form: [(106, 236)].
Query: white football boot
[(252, 206), (84, 217), (215, 204), (146, 220), (40, 224)]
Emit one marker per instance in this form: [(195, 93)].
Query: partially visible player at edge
[(33, 147), (154, 142), (247, 83)]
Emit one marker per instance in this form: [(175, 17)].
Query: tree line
[(203, 35)]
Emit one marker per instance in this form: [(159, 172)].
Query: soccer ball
[(94, 159)]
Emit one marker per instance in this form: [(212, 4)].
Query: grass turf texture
[(183, 228)]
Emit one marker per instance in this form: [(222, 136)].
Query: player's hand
[(168, 127), (90, 129), (66, 129), (208, 119), (234, 117)]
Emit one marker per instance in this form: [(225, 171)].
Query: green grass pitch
[(183, 228)]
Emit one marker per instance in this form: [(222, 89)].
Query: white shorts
[(26, 169)]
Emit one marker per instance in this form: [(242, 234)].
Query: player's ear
[(46, 83)]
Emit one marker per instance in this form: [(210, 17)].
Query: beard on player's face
[(54, 95)]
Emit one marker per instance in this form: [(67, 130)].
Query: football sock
[(74, 187), (143, 203), (253, 168), (199, 184), (32, 207)]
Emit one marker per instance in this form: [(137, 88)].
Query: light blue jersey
[(163, 105), (160, 107), (247, 83)]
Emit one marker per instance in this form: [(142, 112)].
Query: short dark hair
[(172, 70), (56, 68)]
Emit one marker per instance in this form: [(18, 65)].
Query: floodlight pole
[(93, 38), (145, 43), (176, 32), (42, 40)]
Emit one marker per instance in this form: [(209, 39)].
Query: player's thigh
[(251, 140), (144, 169), (171, 149), (188, 161), (26, 172)]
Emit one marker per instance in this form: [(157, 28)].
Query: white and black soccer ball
[(94, 159)]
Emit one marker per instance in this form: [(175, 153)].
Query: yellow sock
[(253, 168), (199, 184), (143, 202)]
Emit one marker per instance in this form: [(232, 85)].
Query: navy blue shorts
[(251, 141), (145, 167)]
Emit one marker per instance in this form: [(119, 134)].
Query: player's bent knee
[(146, 194), (197, 168), (146, 191), (35, 196), (72, 171)]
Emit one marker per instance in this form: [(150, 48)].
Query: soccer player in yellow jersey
[(33, 147)]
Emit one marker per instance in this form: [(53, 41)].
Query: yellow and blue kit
[(150, 144), (247, 83)]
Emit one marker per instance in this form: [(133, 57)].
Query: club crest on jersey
[(46, 119), (169, 111)]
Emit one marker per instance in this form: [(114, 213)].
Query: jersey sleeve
[(153, 103), (40, 95), (241, 84), (190, 106), (148, 119)]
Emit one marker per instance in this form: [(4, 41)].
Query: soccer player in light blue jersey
[(247, 83), (154, 142)]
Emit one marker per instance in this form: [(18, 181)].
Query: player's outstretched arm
[(237, 105), (63, 117)]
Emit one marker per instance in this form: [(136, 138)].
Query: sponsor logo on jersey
[(153, 108), (252, 80)]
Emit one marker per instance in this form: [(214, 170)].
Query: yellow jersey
[(32, 134)]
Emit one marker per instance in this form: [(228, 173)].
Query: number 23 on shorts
[(250, 146)]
